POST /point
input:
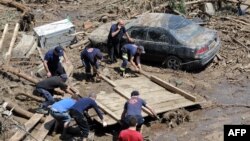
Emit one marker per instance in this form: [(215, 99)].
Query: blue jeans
[(61, 117), (49, 100)]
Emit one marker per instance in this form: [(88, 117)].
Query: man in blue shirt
[(52, 62), (90, 57), (59, 111), (131, 52), (77, 110), (133, 108), (114, 40)]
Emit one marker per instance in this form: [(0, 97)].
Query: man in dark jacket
[(131, 53), (46, 89), (52, 62), (114, 40), (90, 57), (77, 112)]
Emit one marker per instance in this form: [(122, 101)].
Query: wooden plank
[(28, 126), (112, 83), (109, 112), (44, 129), (3, 36), (12, 43), (172, 88), (181, 105), (169, 103)]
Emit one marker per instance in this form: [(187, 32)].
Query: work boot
[(42, 111)]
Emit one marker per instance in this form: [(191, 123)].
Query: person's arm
[(99, 114), (138, 62), (151, 110), (124, 111), (133, 63), (129, 38)]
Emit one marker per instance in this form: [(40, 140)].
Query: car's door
[(158, 43)]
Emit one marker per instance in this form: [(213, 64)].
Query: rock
[(209, 9), (87, 25), (104, 19)]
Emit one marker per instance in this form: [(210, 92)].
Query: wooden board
[(152, 89), (44, 129), (28, 126)]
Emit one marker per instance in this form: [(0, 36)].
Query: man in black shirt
[(114, 40), (46, 88)]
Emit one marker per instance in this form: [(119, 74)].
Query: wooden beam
[(172, 88), (44, 129), (81, 43), (112, 83), (39, 99), (120, 92), (109, 112), (12, 43), (27, 127), (18, 109), (19, 73), (3, 36)]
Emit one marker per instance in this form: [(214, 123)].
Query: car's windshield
[(187, 32)]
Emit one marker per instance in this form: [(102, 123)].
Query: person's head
[(135, 93), (140, 49), (121, 23), (64, 77), (132, 121), (92, 95), (58, 51)]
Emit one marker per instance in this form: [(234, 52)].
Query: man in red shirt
[(131, 134)]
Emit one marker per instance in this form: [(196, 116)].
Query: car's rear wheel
[(173, 62)]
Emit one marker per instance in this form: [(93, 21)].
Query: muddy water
[(207, 124)]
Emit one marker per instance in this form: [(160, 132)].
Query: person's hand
[(48, 74), (131, 40), (119, 27), (104, 124)]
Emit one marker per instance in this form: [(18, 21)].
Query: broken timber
[(159, 95), (3, 36), (12, 43), (27, 127), (44, 129)]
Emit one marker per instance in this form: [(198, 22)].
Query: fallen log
[(19, 73), (31, 79), (26, 19), (12, 43), (19, 135), (19, 110), (3, 36), (39, 99), (81, 43)]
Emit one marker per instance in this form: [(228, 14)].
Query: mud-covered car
[(173, 40)]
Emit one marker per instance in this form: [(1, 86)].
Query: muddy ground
[(224, 83)]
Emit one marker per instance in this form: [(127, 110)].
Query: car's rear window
[(187, 32)]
